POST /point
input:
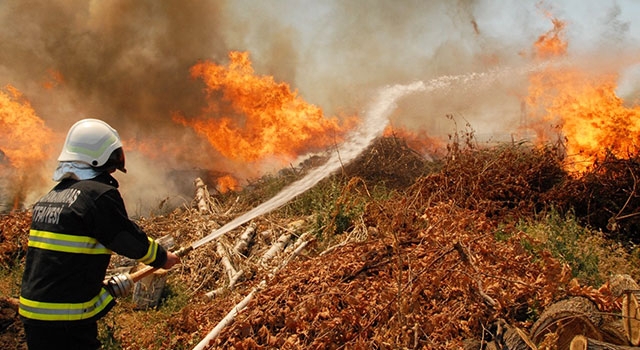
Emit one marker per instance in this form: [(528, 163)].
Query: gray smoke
[(127, 61)]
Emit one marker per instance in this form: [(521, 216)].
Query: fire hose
[(121, 284)]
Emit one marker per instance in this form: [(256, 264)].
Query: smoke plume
[(128, 63)]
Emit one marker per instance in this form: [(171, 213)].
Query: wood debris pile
[(432, 286), (438, 263), (507, 180)]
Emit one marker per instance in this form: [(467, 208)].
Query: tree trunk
[(580, 342)]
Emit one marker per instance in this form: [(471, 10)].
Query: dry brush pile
[(437, 261)]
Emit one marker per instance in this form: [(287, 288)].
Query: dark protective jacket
[(74, 230)]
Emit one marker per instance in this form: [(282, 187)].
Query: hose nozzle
[(120, 285), (182, 252)]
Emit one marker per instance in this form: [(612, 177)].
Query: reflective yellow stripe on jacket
[(151, 252), (66, 243), (64, 311)]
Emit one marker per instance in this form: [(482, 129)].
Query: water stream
[(375, 121)]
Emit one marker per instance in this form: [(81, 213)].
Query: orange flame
[(583, 107), (54, 79), (419, 141), (25, 138), (227, 183), (24, 143), (551, 44), (251, 118)]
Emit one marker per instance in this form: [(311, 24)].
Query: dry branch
[(467, 258), (225, 260), (228, 318), (276, 248)]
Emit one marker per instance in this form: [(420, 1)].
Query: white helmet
[(94, 142)]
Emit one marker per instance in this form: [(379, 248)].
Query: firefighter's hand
[(172, 259)]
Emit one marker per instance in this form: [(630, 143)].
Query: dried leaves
[(430, 274), (401, 290), (505, 180), (14, 228)]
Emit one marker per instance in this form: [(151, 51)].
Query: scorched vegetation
[(394, 251)]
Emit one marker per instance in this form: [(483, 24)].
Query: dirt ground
[(11, 331)]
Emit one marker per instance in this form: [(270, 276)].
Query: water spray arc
[(375, 121)]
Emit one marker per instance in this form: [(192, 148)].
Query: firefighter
[(74, 230)]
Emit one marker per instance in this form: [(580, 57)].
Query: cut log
[(568, 318), (276, 248), (201, 196), (631, 317), (282, 242), (232, 273), (225, 261), (580, 342), (245, 239), (299, 247), (624, 287), (301, 239), (613, 331)]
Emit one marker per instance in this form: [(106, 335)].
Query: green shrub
[(591, 256)]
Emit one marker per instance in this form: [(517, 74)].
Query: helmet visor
[(116, 160)]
